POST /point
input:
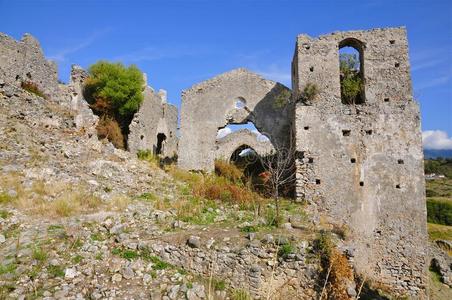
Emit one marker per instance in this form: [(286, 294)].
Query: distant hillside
[(437, 153), (439, 166)]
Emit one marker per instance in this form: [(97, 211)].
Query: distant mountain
[(428, 153)]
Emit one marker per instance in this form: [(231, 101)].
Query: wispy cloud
[(152, 53), (277, 73), (429, 58), (436, 140), (433, 82), (62, 54)]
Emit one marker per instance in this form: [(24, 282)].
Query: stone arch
[(210, 105), (226, 146)]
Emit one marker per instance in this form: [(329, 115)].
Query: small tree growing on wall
[(115, 94), (351, 82)]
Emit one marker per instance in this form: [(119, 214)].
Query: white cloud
[(436, 140), (223, 132)]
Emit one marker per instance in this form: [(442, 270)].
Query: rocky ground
[(80, 219)]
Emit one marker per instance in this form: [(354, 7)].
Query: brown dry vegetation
[(108, 128)]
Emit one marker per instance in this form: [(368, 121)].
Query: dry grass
[(49, 200), (32, 88), (229, 171)]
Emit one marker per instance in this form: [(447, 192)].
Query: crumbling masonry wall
[(154, 117), (362, 165), (210, 105), (24, 61)]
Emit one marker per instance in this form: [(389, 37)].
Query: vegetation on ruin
[(309, 92), (114, 92), (351, 81), (32, 88)]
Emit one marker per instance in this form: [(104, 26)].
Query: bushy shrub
[(108, 128), (148, 156), (117, 86), (439, 211)]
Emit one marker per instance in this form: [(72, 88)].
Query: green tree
[(114, 88), (351, 82), (115, 94)]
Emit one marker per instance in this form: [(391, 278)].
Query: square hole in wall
[(392, 42), (397, 64), (397, 186), (311, 69), (400, 161), (299, 154), (346, 132), (310, 160), (386, 99), (361, 183), (369, 132), (317, 181), (306, 128), (353, 160)]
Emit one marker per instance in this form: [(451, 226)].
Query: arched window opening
[(161, 137), (351, 66), (247, 159), (240, 103)]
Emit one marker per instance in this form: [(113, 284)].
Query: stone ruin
[(359, 165), (154, 126)]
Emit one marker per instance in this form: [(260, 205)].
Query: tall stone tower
[(361, 164)]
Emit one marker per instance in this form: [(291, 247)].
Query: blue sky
[(179, 43)]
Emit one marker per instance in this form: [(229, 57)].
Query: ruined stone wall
[(226, 146), (154, 116), (24, 61), (362, 165), (210, 105)]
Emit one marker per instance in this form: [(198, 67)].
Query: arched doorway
[(161, 137), (351, 65)]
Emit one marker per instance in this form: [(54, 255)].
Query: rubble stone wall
[(362, 164)]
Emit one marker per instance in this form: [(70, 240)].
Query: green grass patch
[(56, 271), (249, 228), (9, 268), (4, 214), (39, 254), (77, 259), (285, 250), (148, 197)]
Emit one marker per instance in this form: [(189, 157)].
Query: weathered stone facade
[(154, 126), (210, 105), (23, 61), (362, 164), (226, 146)]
